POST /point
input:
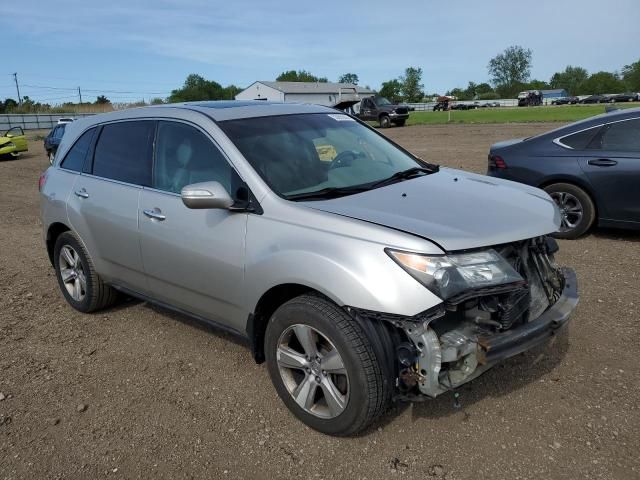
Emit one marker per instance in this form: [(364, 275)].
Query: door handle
[(154, 214), (82, 193), (603, 162)]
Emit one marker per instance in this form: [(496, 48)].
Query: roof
[(217, 110), (554, 90), (313, 87)]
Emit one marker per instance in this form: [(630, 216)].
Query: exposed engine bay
[(466, 335)]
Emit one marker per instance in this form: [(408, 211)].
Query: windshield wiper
[(327, 193), (404, 175)]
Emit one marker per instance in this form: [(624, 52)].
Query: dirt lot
[(136, 392)]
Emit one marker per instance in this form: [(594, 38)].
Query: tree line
[(509, 73)]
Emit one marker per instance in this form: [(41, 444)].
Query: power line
[(95, 90)]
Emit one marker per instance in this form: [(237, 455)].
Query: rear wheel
[(324, 367), (577, 211), (81, 285), (385, 121)]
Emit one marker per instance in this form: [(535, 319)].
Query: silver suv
[(360, 273)]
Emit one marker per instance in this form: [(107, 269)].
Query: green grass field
[(569, 113)]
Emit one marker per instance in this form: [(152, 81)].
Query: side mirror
[(206, 195)]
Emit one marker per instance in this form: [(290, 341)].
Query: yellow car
[(13, 142)]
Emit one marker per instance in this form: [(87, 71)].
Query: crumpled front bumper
[(500, 346)]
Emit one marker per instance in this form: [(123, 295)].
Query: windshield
[(299, 154), (382, 101)]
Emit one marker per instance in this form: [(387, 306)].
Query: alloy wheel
[(571, 210), (72, 273), (313, 371)]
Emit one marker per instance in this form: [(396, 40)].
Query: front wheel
[(577, 211), (385, 121), (324, 367), (51, 157)]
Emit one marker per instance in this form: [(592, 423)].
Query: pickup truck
[(383, 111)]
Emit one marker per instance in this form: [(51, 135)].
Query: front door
[(612, 164), (194, 259)]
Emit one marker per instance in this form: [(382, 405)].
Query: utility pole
[(80, 95), (15, 78)]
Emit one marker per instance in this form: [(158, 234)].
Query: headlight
[(449, 275)]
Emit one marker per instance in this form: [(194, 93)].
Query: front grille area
[(402, 110)]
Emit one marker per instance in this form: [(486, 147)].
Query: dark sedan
[(590, 168), (52, 140), (594, 99), (565, 101)]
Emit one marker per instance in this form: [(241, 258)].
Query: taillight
[(496, 161), (42, 181)]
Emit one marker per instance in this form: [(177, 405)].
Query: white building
[(319, 93)]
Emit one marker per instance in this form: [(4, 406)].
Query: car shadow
[(616, 234)]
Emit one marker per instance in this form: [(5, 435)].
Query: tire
[(570, 199), (385, 121), (364, 387), (400, 123), (71, 257), (51, 157)]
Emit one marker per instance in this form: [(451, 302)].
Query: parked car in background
[(383, 111), (620, 97), (492, 104), (351, 290), (52, 140), (590, 168), (593, 99), (530, 98), (12, 142), (565, 101)]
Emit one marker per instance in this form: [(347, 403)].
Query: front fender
[(348, 270)]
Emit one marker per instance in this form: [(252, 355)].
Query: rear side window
[(622, 136), (580, 140), (75, 157), (123, 152), (59, 131)]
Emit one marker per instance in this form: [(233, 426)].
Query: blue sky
[(141, 49)]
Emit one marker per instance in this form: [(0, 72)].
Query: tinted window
[(75, 157), (184, 156), (123, 152), (58, 132), (580, 140), (622, 136)]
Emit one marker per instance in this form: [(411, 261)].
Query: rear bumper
[(512, 342)]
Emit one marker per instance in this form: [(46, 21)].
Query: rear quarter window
[(580, 140), (74, 159)]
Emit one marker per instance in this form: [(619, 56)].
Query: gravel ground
[(137, 392)]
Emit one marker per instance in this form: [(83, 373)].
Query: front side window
[(184, 155), (123, 152), (306, 153), (622, 136), (74, 160)]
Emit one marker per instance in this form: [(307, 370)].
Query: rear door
[(194, 259), (612, 164), (103, 207)]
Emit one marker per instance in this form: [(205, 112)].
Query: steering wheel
[(344, 159)]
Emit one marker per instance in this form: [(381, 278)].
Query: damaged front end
[(454, 342)]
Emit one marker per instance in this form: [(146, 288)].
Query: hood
[(457, 210)]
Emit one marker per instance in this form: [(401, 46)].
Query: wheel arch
[(576, 182), (268, 303), (53, 232)]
